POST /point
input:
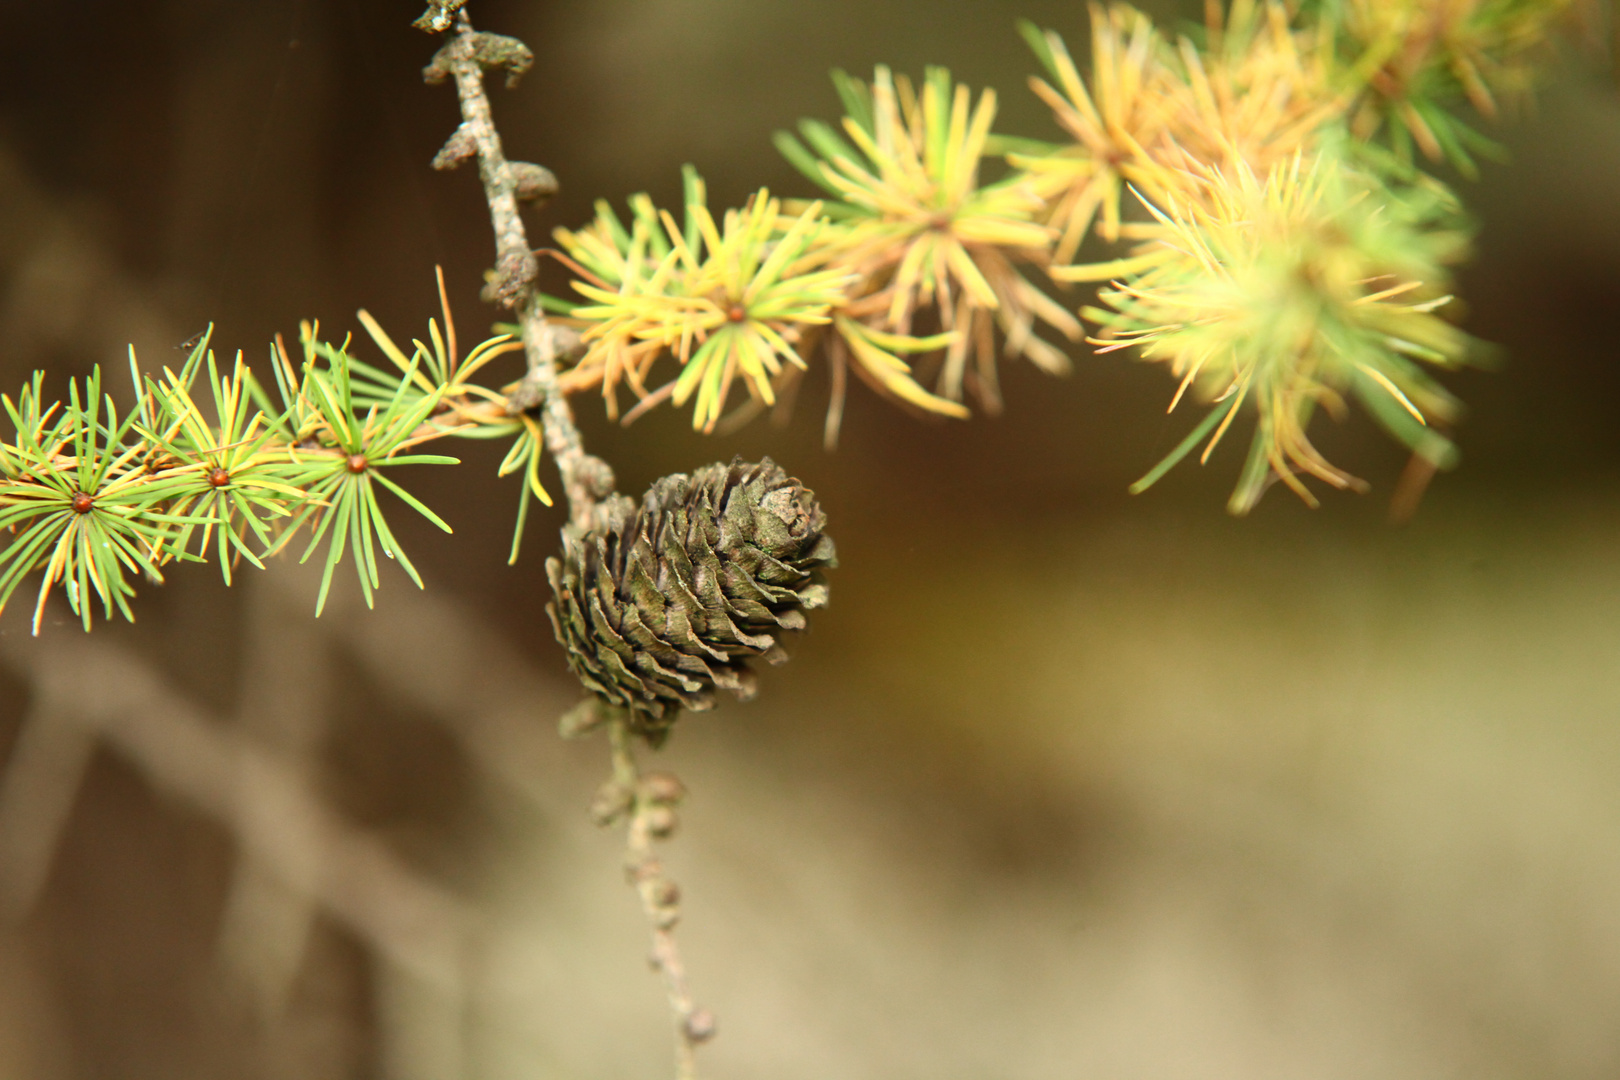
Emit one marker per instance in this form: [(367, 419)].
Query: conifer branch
[(1295, 259), (646, 803), (586, 478)]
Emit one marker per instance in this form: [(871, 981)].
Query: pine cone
[(672, 600)]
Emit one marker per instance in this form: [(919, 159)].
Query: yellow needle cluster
[(1292, 291), (1295, 255), (1414, 55), (925, 238), (727, 299)]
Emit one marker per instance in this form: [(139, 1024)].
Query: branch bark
[(586, 479), (646, 803)]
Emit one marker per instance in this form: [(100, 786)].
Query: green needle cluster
[(207, 462)]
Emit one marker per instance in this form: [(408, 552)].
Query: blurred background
[(1065, 783)]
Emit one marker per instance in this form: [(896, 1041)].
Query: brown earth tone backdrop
[(1064, 784)]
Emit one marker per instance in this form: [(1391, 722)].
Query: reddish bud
[(659, 822), (662, 788), (700, 1025), (665, 893)]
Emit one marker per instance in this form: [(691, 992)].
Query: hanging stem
[(647, 804)]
